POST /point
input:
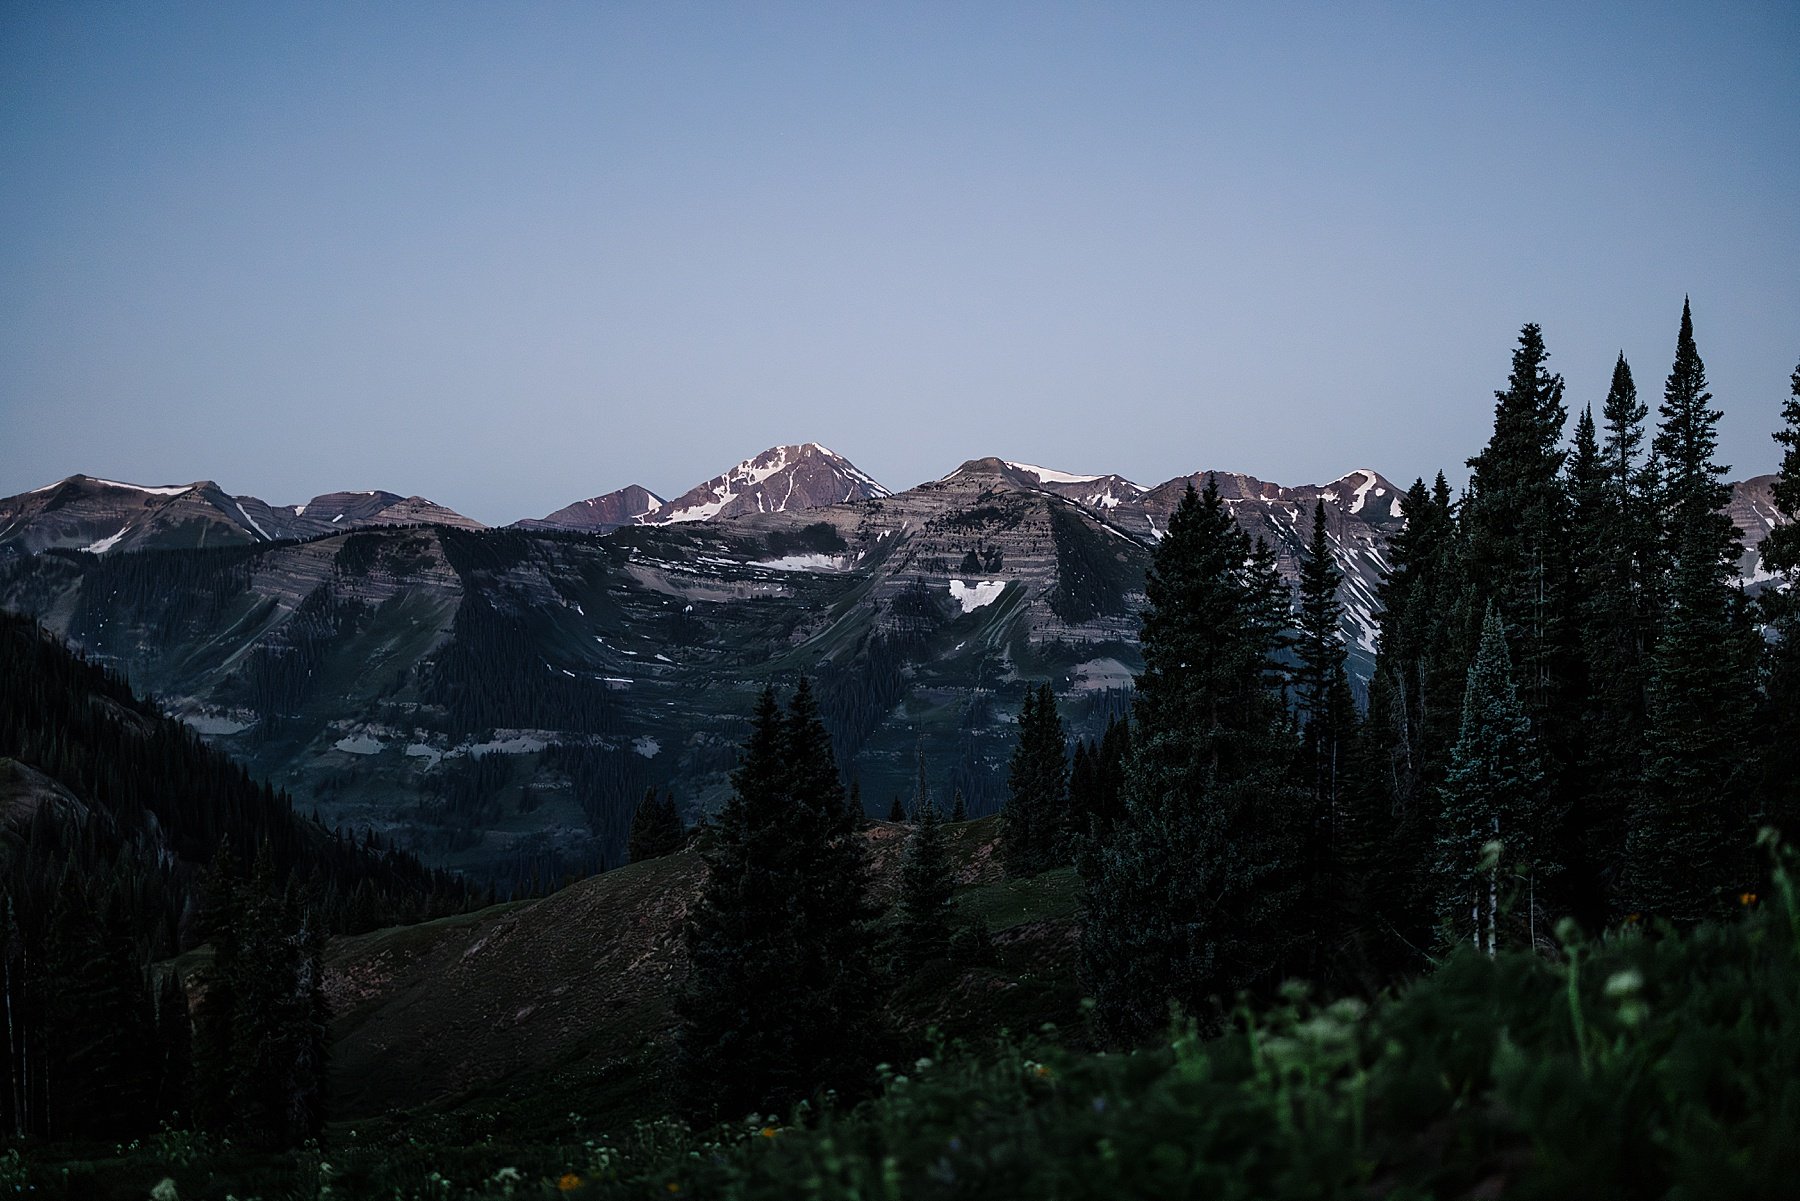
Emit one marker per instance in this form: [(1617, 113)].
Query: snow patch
[(262, 532), (172, 490), (105, 544), (421, 750), (646, 746), (214, 724), (1047, 475), (977, 595), (361, 744), (805, 563)]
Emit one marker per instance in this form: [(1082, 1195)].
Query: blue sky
[(509, 256)]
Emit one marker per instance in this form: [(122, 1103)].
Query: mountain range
[(495, 698)]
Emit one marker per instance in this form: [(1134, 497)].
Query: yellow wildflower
[(768, 1132), (568, 1182)]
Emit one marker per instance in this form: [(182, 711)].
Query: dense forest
[(112, 814)]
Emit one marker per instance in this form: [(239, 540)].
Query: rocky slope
[(602, 514), (105, 516)]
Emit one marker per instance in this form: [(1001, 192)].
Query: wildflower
[(672, 1187), (768, 1132), (1042, 1071), (1625, 983), (568, 1182), (1632, 919), (1746, 899)]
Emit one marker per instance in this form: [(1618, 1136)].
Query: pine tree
[(1778, 732), (1035, 822), (1687, 846), (1617, 576), (1402, 752), (897, 810), (959, 808), (922, 928), (1516, 532), (1781, 548), (1191, 895), (921, 792), (779, 976), (656, 827), (221, 924), (1516, 520), (1496, 830)]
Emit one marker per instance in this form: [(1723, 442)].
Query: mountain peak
[(783, 478)]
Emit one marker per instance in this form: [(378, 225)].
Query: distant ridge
[(99, 516)]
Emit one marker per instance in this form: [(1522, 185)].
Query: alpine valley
[(498, 700)]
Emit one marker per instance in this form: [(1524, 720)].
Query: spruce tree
[(1496, 837), (1687, 849), (1191, 896), (221, 924), (1327, 713), (921, 791), (959, 808), (779, 973), (1617, 579), (1778, 732), (1781, 548), (656, 827), (922, 927), (1516, 534), (1035, 822), (1423, 650), (1516, 518)]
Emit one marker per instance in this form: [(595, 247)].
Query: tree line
[(1577, 712), (113, 812)]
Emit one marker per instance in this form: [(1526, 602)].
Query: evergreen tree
[(1496, 829), (1687, 847), (175, 1048), (1516, 519), (1327, 713), (656, 827), (921, 792), (1617, 575), (1779, 719), (778, 983), (1387, 849), (959, 808), (897, 810), (1516, 532), (922, 928), (221, 924), (1781, 548), (1035, 824), (1191, 895)]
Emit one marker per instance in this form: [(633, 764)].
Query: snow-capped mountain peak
[(780, 479)]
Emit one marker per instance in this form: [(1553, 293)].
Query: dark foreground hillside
[(1645, 1064)]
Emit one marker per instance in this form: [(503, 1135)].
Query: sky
[(511, 256)]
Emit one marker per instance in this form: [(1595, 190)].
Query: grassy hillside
[(572, 995)]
